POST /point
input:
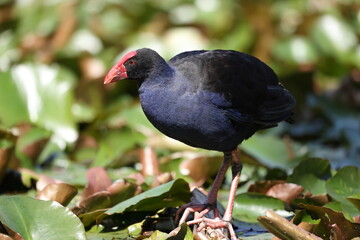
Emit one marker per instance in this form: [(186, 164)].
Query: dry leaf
[(62, 193), (285, 191), (200, 168), (98, 180)]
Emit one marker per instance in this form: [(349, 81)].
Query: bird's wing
[(277, 106), (243, 86)]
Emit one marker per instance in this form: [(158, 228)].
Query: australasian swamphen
[(207, 99)]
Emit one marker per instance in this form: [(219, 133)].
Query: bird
[(209, 99)]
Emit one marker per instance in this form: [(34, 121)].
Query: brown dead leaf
[(98, 200), (67, 26), (92, 68), (62, 193), (5, 237), (43, 181), (320, 199), (138, 177), (33, 149), (149, 162), (356, 219), (86, 141), (264, 186), (98, 180), (334, 222), (6, 12), (92, 208), (200, 168), (10, 234), (119, 191), (165, 177), (94, 216), (285, 191), (5, 157)]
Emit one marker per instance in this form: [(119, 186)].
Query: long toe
[(189, 208), (212, 226)]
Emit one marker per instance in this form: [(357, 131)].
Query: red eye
[(131, 62)]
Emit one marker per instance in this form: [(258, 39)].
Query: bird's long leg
[(212, 196), (225, 222), (236, 171)]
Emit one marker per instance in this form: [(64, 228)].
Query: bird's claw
[(202, 210), (202, 221), (214, 224)]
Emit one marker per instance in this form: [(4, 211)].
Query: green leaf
[(5, 143), (328, 217), (37, 18), (249, 206), (7, 139), (115, 144), (33, 135), (183, 233), (344, 184), (124, 110), (123, 234), (304, 216), (355, 200), (42, 95), (157, 235), (339, 207), (297, 50), (40, 220), (16, 112), (272, 155), (173, 194), (333, 36), (9, 52), (311, 174)]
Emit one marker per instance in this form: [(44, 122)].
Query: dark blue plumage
[(208, 99)]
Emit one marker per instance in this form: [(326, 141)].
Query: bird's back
[(243, 84), (216, 99)]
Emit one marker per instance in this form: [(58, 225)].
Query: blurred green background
[(54, 55), (57, 117)]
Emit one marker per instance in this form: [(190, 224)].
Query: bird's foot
[(212, 226), (201, 209)]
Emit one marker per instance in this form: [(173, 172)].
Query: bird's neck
[(161, 75)]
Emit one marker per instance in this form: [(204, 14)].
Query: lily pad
[(183, 232), (173, 194), (42, 95), (39, 220), (344, 184), (249, 206), (114, 145), (272, 155), (355, 200), (339, 225), (311, 174)]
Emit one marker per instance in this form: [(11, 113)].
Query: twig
[(284, 229)]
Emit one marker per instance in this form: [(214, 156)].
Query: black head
[(136, 65)]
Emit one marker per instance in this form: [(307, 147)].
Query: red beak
[(118, 71)]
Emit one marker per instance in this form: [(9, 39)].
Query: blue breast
[(189, 116)]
